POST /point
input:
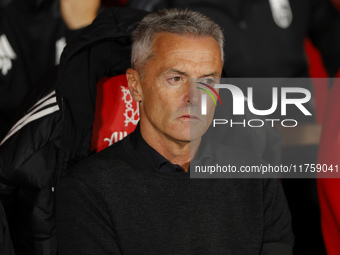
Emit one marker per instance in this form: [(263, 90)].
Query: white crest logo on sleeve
[(7, 54), (282, 13), (131, 115)]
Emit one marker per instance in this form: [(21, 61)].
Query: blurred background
[(264, 39)]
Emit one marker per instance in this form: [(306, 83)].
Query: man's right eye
[(176, 80)]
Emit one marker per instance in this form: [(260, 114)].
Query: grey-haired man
[(136, 197)]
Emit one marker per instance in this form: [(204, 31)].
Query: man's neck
[(177, 152)]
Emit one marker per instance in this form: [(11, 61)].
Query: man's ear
[(134, 84)]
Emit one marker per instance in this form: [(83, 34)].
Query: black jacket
[(29, 153), (32, 37), (6, 246)]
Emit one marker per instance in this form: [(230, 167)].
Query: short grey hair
[(174, 21)]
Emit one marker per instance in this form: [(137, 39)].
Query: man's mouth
[(190, 117)]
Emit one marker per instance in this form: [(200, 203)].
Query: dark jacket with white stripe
[(63, 102), (32, 36), (56, 131)]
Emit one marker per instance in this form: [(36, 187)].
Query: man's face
[(169, 107)]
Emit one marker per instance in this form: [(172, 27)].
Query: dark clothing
[(30, 155), (151, 155), (32, 37), (6, 247), (115, 202)]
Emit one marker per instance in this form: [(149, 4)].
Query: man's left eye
[(209, 81)]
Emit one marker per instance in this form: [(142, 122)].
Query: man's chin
[(189, 133), (197, 131)]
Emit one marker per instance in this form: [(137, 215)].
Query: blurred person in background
[(33, 34)]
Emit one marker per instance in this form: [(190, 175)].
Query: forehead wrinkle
[(174, 70), (213, 74), (197, 56), (182, 64), (186, 69), (185, 73)]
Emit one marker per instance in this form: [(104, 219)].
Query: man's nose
[(193, 93)]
